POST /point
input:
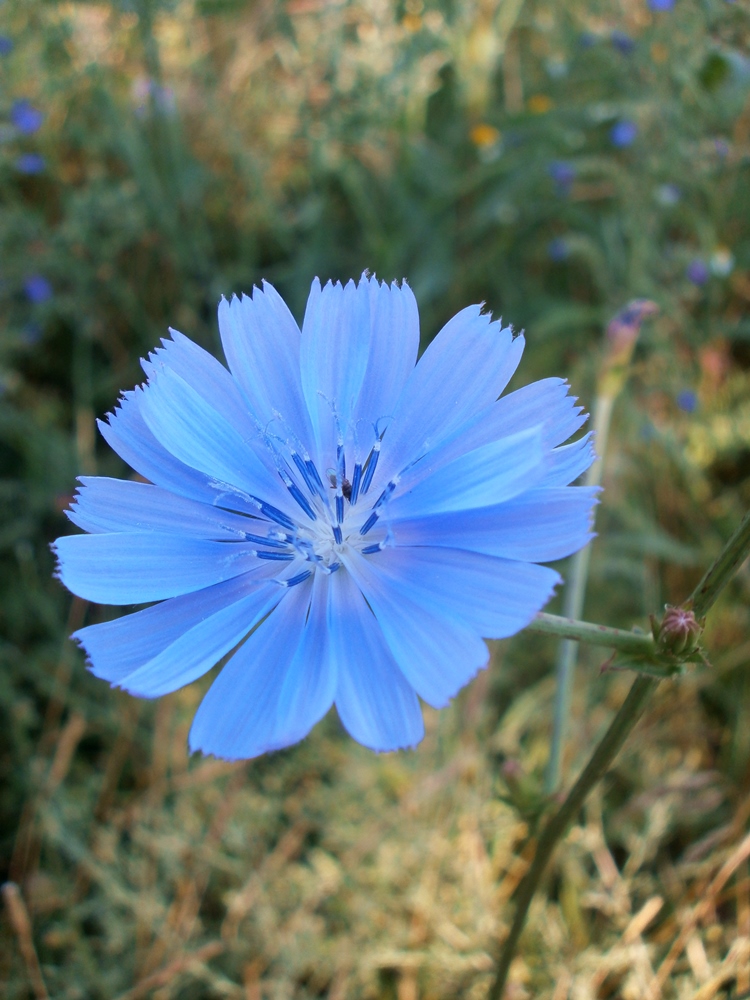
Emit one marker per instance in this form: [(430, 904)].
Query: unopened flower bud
[(624, 327), (678, 632)]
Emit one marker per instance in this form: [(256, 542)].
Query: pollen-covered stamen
[(384, 542), (304, 465), (370, 466), (340, 476), (294, 580), (315, 475), (306, 469), (356, 481), (371, 521), (390, 487), (290, 455), (275, 515), (297, 494), (268, 540)]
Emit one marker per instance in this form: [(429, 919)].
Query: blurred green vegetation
[(555, 161)]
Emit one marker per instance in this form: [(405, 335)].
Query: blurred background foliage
[(553, 160)]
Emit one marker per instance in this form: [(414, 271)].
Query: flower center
[(333, 514)]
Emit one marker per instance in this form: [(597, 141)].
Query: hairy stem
[(703, 597), (573, 598), (638, 644), (629, 713), (722, 569)]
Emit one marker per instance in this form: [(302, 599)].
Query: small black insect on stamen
[(346, 486)]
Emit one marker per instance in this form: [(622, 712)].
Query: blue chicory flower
[(37, 288), (622, 42), (30, 163), (687, 400), (659, 5), (623, 134), (722, 148), (6, 45), (697, 271), (558, 249), (563, 174), (26, 117), (357, 523)]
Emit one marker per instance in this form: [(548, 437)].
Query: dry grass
[(330, 871)]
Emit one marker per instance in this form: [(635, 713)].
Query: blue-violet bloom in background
[(6, 45), (26, 117), (563, 174), (356, 523), (622, 42), (30, 163), (558, 249), (687, 400), (623, 134), (37, 288), (697, 271)]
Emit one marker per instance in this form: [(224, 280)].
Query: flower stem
[(629, 713), (597, 635), (703, 597), (721, 571), (573, 599), (621, 336)]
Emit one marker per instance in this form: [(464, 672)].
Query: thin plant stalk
[(575, 593), (721, 571), (703, 597), (622, 334), (619, 730), (635, 643)]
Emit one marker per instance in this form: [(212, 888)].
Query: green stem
[(573, 599), (596, 635), (629, 713), (703, 597), (722, 569)]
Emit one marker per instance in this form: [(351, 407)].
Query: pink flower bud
[(678, 632)]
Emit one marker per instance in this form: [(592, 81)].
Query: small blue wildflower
[(37, 288), (622, 42), (623, 134), (697, 271), (563, 174), (149, 95), (30, 163), (687, 400), (659, 5), (349, 524), (558, 249), (6, 45), (26, 117), (721, 146)]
